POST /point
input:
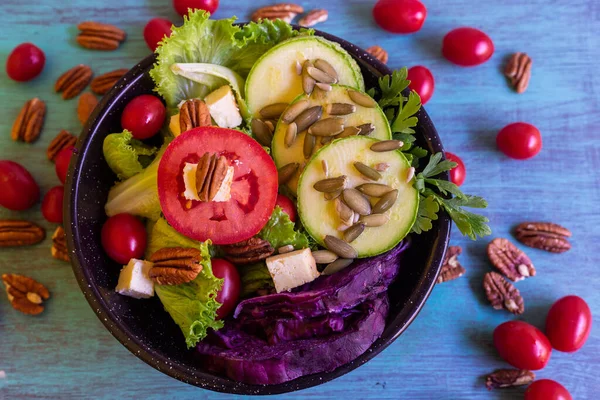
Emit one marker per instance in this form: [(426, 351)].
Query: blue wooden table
[(66, 352)]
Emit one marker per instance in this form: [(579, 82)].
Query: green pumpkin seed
[(330, 185), (286, 172), (361, 99), (326, 139), (367, 171), (357, 201), (324, 86), (262, 132), (308, 83), (327, 127), (337, 266), (366, 129), (345, 213), (327, 68), (348, 131), (285, 249), (333, 195), (309, 145), (294, 111), (374, 220), (374, 189), (273, 111), (340, 108), (352, 233), (290, 134), (386, 202), (270, 125), (319, 75), (324, 256), (308, 117), (387, 145), (340, 247)]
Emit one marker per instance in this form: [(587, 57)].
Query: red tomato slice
[(253, 191)]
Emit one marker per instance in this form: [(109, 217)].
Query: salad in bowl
[(266, 197)]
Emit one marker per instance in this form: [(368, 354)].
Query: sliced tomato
[(253, 191)]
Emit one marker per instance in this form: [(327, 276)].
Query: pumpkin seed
[(326, 139), (298, 68), (374, 189), (270, 125), (374, 220), (309, 145), (327, 127), (352, 233), (285, 249), (367, 171), (348, 131), (326, 87), (357, 201), (361, 99), (325, 166), (290, 134), (411, 174), (286, 172), (339, 247), (273, 111), (308, 83), (337, 266), (324, 256), (308, 117), (262, 132), (340, 108), (341, 227), (386, 202), (330, 185), (366, 129), (327, 68), (356, 217), (294, 111), (319, 75), (345, 213), (333, 195), (387, 145)]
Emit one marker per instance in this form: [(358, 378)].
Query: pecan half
[(103, 83), (502, 294), (313, 17), (175, 265), (451, 268), (98, 36), (502, 378), (210, 174), (20, 233), (249, 251), (86, 104), (379, 53), (28, 125), (72, 82), (63, 140), (25, 294), (193, 114), (544, 235), (518, 71), (509, 260), (59, 245), (284, 11)]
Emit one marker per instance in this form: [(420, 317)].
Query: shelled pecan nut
[(503, 378), (20, 233), (72, 82), (509, 260), (63, 140), (59, 245), (284, 11), (28, 125), (103, 83), (379, 53), (451, 268), (544, 235), (248, 251), (210, 175), (313, 17), (193, 114), (86, 104), (175, 265), (98, 36), (25, 294), (518, 71), (502, 294)]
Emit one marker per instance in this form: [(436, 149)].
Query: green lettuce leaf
[(255, 277), (122, 153), (192, 305), (279, 231)]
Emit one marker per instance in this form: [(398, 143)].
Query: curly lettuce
[(255, 277), (280, 231), (125, 155)]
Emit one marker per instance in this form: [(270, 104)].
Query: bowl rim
[(203, 379)]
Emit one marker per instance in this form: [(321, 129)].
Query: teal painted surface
[(66, 352)]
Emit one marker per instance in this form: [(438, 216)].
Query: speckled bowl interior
[(142, 325)]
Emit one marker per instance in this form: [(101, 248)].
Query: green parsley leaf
[(445, 187), (405, 120), (427, 212), (469, 224)]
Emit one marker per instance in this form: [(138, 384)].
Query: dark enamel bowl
[(143, 326)]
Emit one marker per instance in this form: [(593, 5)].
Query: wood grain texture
[(67, 353)]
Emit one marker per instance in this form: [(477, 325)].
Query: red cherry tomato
[(421, 81), (230, 292), (519, 140), (547, 389), (522, 345), (287, 206), (143, 116), (124, 238), (467, 47), (52, 205), (155, 30), (458, 173), (568, 323), (181, 6), (25, 62), (400, 16), (61, 163), (18, 189)]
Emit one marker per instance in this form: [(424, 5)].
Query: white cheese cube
[(224, 193), (293, 269), (189, 181), (223, 107), (134, 280)]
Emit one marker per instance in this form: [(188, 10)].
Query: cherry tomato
[(547, 389), (155, 30), (19, 191), (519, 140), (181, 6), (421, 81), (522, 345), (143, 116), (52, 205), (124, 238), (25, 62), (458, 173), (230, 292), (287, 206), (568, 323), (61, 163), (467, 47), (400, 16)]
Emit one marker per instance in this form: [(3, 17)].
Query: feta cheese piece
[(224, 193), (174, 125), (223, 107), (292, 269), (189, 181), (134, 280)]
